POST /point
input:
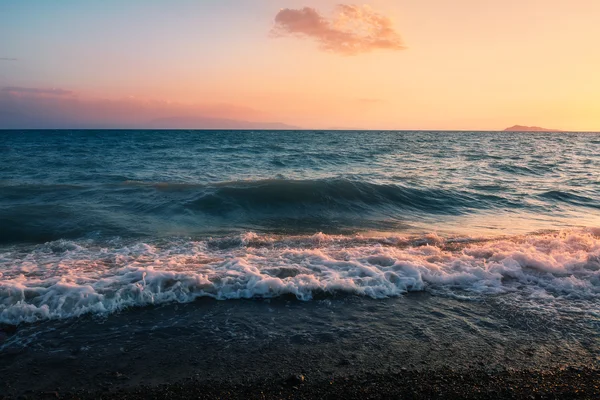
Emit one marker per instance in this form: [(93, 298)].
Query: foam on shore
[(64, 279)]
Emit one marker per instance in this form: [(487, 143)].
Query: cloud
[(7, 59), (37, 91), (352, 30)]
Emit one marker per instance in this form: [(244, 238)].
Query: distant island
[(521, 128)]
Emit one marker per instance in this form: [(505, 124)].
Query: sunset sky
[(387, 64)]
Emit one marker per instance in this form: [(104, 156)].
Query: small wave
[(66, 279), (331, 193), (334, 194), (516, 169), (570, 198)]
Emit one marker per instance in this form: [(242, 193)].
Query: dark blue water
[(100, 221), (77, 184), (165, 255)]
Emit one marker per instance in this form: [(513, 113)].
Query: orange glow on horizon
[(410, 65)]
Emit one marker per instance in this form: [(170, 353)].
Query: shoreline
[(417, 346), (445, 383)]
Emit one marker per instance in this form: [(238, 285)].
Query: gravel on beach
[(445, 383)]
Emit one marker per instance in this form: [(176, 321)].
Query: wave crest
[(333, 194), (65, 279)]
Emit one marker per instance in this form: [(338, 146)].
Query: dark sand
[(416, 346), (567, 383)]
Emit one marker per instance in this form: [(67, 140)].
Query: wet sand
[(417, 346)]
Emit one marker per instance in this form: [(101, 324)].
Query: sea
[(348, 249)]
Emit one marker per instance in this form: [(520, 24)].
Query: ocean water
[(97, 223)]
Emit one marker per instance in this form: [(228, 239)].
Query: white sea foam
[(65, 279)]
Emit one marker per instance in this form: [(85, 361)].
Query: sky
[(384, 64)]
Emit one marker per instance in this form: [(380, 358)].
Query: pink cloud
[(352, 30)]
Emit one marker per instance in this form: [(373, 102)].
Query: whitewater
[(62, 279), (95, 223), (137, 258)]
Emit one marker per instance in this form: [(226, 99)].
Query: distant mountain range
[(33, 108), (521, 128), (214, 123)]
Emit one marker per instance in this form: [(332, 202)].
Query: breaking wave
[(334, 194), (141, 209), (64, 279)]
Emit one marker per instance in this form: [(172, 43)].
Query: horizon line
[(291, 130)]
